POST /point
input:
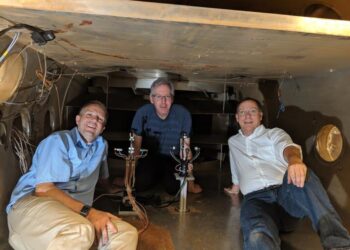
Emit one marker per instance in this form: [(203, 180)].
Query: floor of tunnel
[(212, 221)]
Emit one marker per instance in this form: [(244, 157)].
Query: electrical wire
[(102, 195), (20, 103), (45, 89), (23, 49), (64, 99), (38, 35), (18, 89), (9, 48), (10, 117), (23, 148), (43, 76), (129, 182), (174, 199)]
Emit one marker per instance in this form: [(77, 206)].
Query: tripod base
[(126, 209)]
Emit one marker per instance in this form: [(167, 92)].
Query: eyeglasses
[(93, 115), (162, 97), (251, 112)]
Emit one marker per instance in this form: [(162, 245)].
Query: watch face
[(85, 210)]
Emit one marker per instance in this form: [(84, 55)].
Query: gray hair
[(163, 81)]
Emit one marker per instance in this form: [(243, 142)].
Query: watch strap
[(85, 210)]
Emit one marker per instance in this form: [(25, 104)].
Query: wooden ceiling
[(192, 43)]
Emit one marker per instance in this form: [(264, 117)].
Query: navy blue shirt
[(158, 135)]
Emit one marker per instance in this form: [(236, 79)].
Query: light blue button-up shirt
[(257, 160), (66, 160)]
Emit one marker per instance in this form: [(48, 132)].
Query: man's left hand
[(297, 174)]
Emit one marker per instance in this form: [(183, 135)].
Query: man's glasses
[(251, 112), (162, 97), (93, 115)]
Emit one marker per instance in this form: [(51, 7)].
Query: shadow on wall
[(303, 127)]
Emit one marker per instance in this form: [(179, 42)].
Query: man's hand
[(297, 174), (296, 168), (102, 222)]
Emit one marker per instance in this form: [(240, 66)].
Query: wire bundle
[(129, 182), (12, 44), (23, 149)]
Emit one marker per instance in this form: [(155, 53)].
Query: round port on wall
[(329, 143), (11, 72)]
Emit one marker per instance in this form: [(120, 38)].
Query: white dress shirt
[(257, 160)]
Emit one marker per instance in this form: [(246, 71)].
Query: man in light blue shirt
[(268, 169), (50, 207)]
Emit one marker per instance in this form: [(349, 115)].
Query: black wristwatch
[(85, 210)]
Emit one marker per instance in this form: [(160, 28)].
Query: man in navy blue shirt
[(50, 207), (158, 127)]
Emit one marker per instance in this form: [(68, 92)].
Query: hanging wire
[(24, 49), (107, 91), (64, 98), (129, 180), (43, 77), (9, 48), (281, 106), (10, 117), (224, 100), (45, 84), (23, 149), (16, 58), (129, 183)]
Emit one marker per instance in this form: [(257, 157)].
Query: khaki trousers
[(38, 223)]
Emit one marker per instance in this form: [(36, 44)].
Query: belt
[(264, 189)]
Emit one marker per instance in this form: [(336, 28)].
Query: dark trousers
[(156, 169), (259, 221)]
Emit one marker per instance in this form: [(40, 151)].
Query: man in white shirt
[(268, 169)]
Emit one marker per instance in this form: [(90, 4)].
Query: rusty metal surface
[(196, 43)]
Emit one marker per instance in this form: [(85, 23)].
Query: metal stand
[(182, 171), (127, 206), (183, 195)]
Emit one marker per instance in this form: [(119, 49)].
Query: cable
[(129, 183), (175, 198), (38, 35), (22, 50), (43, 77), (10, 117), (102, 195), (64, 99), (23, 148), (13, 42), (129, 180)]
